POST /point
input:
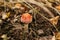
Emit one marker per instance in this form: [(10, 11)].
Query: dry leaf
[(18, 5), (58, 36), (4, 36), (5, 15), (53, 38), (54, 20), (8, 14), (58, 7)]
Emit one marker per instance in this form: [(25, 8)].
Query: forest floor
[(30, 20)]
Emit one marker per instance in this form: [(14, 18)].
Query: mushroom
[(26, 18)]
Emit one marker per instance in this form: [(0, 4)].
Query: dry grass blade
[(42, 6), (40, 14), (52, 7)]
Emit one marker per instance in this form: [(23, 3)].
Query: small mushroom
[(26, 18)]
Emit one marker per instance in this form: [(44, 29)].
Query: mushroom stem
[(26, 27)]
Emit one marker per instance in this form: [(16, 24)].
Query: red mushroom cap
[(26, 18)]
